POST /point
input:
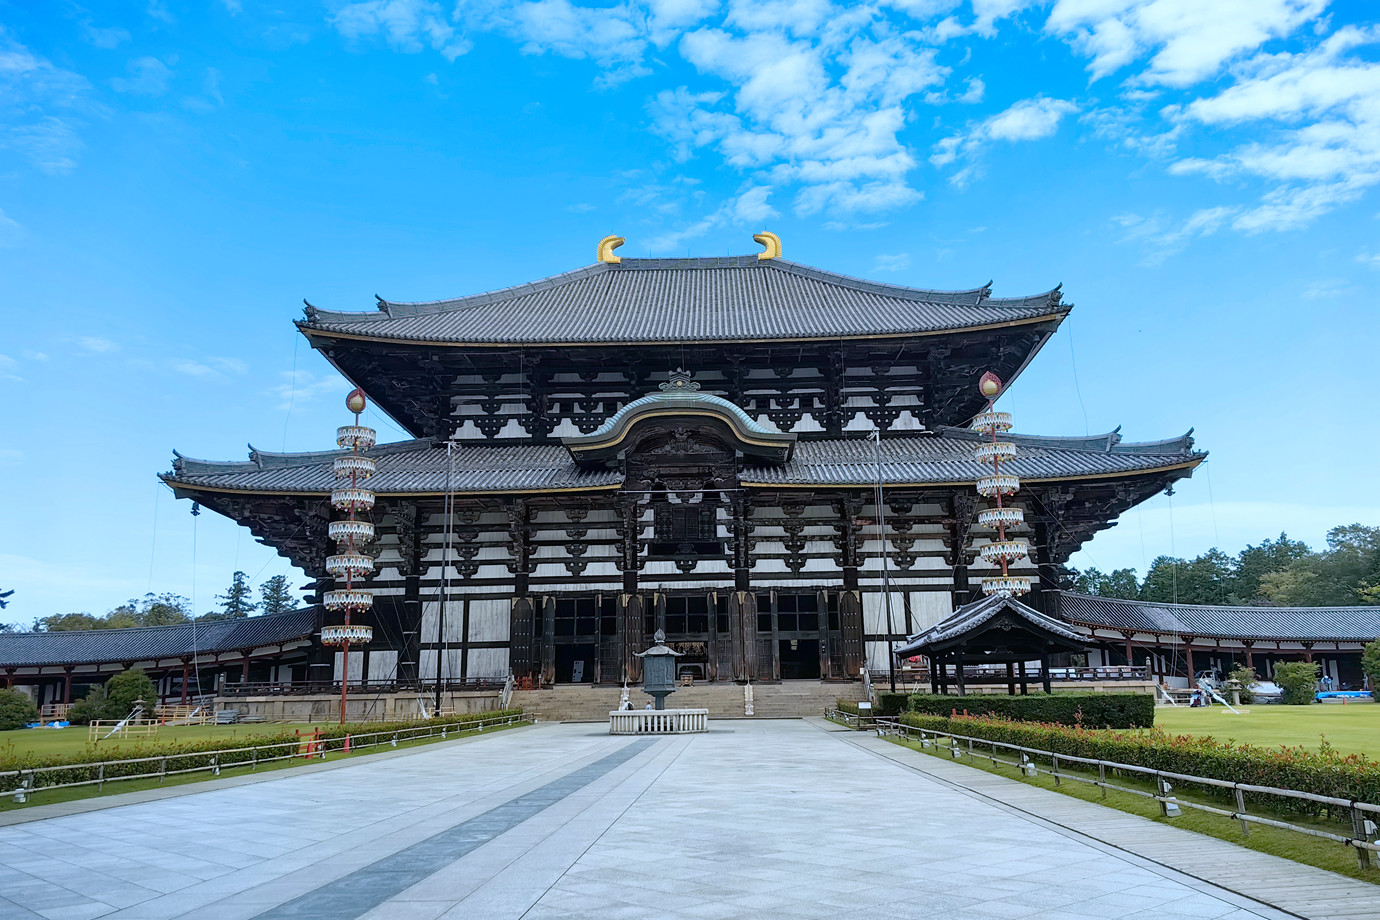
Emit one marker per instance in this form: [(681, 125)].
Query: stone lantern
[(659, 670)]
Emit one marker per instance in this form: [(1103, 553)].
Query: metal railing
[(1363, 828), (304, 748), (303, 687)]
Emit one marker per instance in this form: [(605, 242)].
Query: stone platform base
[(658, 721), (387, 707)]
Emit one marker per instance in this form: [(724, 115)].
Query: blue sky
[(176, 177)]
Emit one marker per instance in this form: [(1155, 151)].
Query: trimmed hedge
[(1090, 710), (189, 754), (847, 706), (1322, 772), (891, 704)]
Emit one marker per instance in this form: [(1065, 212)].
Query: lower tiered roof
[(943, 457), (154, 643), (1305, 624)]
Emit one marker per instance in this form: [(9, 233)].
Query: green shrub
[(1090, 710), (1299, 681), (847, 706), (189, 754), (891, 704), (1370, 666), (115, 699), (16, 710), (1322, 772), (1247, 678)]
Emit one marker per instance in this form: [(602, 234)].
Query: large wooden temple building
[(685, 445)]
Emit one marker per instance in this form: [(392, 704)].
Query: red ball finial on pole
[(355, 401), (990, 385)]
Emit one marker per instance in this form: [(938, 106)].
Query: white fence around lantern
[(658, 721)]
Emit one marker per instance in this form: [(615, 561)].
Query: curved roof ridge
[(1358, 608), (388, 309), (144, 630), (1109, 442)]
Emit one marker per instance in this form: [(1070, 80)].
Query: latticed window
[(685, 529)]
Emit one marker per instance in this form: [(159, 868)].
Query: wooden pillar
[(934, 675), (67, 684), (184, 681), (1044, 671), (1188, 659), (1130, 659), (1308, 652), (958, 674), (9, 678), (548, 640), (1025, 685), (1250, 659), (1010, 678), (850, 598), (244, 668)]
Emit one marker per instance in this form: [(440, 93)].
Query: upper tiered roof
[(664, 301)]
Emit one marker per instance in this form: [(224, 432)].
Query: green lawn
[(1354, 728), (74, 740)]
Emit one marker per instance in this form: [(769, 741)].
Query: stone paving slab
[(1297, 889), (753, 819)]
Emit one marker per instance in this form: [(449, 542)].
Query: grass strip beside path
[(50, 795), (1323, 854)]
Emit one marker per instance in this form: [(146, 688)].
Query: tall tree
[(1204, 580), (1119, 583), (1255, 562), (236, 603), (1343, 574), (164, 610), (275, 596)]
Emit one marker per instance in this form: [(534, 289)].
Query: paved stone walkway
[(755, 819)]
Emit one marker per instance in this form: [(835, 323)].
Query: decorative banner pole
[(1002, 550), (349, 562)]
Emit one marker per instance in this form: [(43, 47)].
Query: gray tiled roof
[(942, 457), (149, 643), (674, 300), (1305, 623), (403, 467), (973, 616), (946, 457)]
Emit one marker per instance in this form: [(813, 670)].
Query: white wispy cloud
[(302, 387), (407, 25), (891, 262), (1027, 120), (11, 231), (1162, 237), (96, 345), (32, 91), (9, 369), (148, 76), (210, 367), (1190, 39), (1319, 114)]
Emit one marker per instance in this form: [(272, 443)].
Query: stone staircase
[(791, 699)]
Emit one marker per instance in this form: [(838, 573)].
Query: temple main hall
[(770, 462)]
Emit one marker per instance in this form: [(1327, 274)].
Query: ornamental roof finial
[(679, 382), (604, 252), (771, 241)]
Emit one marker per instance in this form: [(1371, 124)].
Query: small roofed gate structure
[(997, 630)]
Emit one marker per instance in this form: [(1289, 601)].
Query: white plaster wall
[(488, 662), (427, 664), (489, 620), (383, 664), (455, 621), (929, 607)]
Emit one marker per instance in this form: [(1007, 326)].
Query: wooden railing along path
[(1364, 815)]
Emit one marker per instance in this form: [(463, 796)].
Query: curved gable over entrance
[(680, 406)]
